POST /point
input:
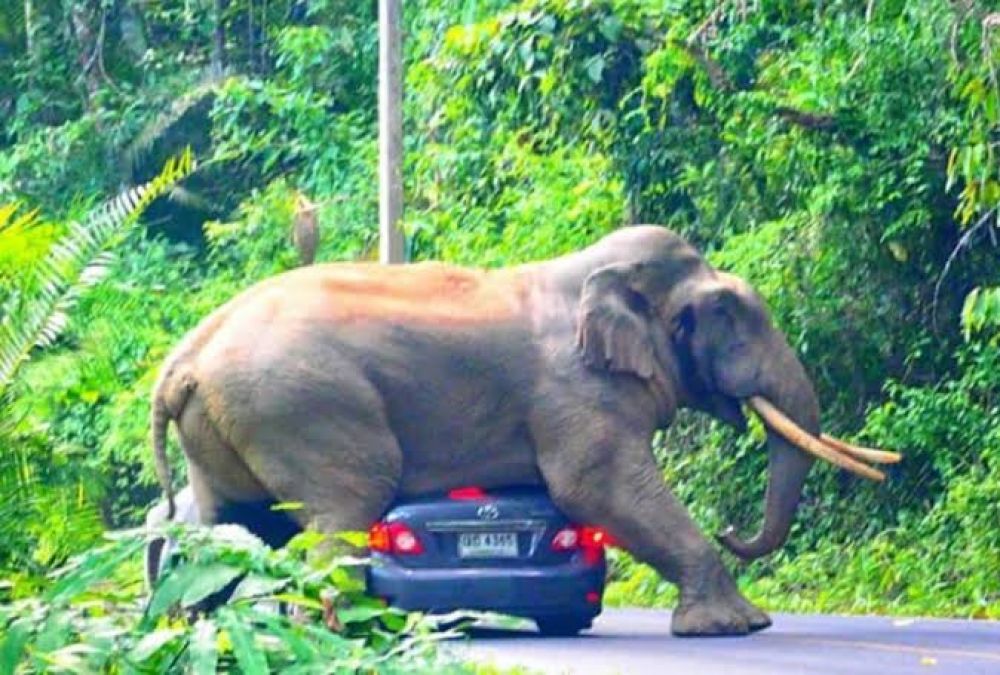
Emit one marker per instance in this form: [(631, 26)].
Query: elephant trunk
[(788, 466)]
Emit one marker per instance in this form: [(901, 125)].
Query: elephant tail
[(160, 419), (168, 402)]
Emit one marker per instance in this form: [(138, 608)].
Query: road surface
[(636, 641)]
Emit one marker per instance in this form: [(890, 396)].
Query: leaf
[(357, 614), (257, 585), (153, 642), (203, 655), (250, 658), (898, 251), (13, 645), (288, 506), (300, 600), (209, 579), (611, 27), (355, 539), (188, 584), (289, 635), (89, 568), (595, 68), (306, 540)]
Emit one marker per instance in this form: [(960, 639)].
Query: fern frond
[(75, 263)]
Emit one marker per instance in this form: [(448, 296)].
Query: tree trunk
[(29, 29), (219, 40), (82, 18), (133, 30)]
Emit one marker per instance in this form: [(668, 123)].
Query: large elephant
[(345, 386)]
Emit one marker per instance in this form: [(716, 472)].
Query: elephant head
[(704, 339)]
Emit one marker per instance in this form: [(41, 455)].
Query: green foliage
[(92, 616), (76, 262), (841, 156), (981, 311), (47, 502)]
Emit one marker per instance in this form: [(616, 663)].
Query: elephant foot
[(731, 616)]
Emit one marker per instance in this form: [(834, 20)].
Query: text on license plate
[(487, 545)]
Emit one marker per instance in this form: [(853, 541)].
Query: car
[(508, 550)]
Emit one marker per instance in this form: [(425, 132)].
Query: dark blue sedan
[(510, 551)]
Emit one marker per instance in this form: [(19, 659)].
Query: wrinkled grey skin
[(346, 386)]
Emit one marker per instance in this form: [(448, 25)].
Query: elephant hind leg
[(343, 467), (217, 474)]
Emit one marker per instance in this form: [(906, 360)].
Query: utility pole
[(390, 131)]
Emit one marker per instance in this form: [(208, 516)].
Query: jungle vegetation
[(155, 156)]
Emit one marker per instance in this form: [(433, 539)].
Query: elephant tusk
[(809, 443), (868, 454)]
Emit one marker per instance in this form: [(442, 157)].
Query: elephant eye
[(636, 302)]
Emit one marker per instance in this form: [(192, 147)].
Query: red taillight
[(583, 537), (394, 538), (469, 493), (404, 541), (566, 539), (593, 537), (378, 538)]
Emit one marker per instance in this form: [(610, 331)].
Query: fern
[(77, 262)]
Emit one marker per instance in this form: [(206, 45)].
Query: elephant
[(254, 519), (346, 386)]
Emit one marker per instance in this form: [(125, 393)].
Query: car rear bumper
[(528, 592)]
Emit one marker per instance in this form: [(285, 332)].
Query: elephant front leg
[(618, 486)]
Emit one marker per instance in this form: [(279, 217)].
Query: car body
[(509, 551)]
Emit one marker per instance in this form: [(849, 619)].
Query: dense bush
[(96, 617)]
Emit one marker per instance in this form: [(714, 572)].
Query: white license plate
[(487, 545)]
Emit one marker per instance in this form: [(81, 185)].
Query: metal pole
[(390, 131)]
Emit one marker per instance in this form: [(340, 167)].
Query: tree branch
[(964, 242)]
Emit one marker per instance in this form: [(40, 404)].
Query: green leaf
[(13, 645), (89, 568), (611, 27), (203, 656), (188, 584), (357, 614), (250, 658), (257, 585), (208, 580), (595, 68), (355, 539), (288, 506), (152, 643)]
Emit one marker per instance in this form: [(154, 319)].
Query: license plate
[(487, 545)]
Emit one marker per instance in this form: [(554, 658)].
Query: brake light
[(469, 493), (378, 538), (394, 538), (566, 539), (583, 537), (593, 537)]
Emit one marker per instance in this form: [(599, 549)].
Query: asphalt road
[(636, 641)]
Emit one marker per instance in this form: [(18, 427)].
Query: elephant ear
[(614, 331)]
